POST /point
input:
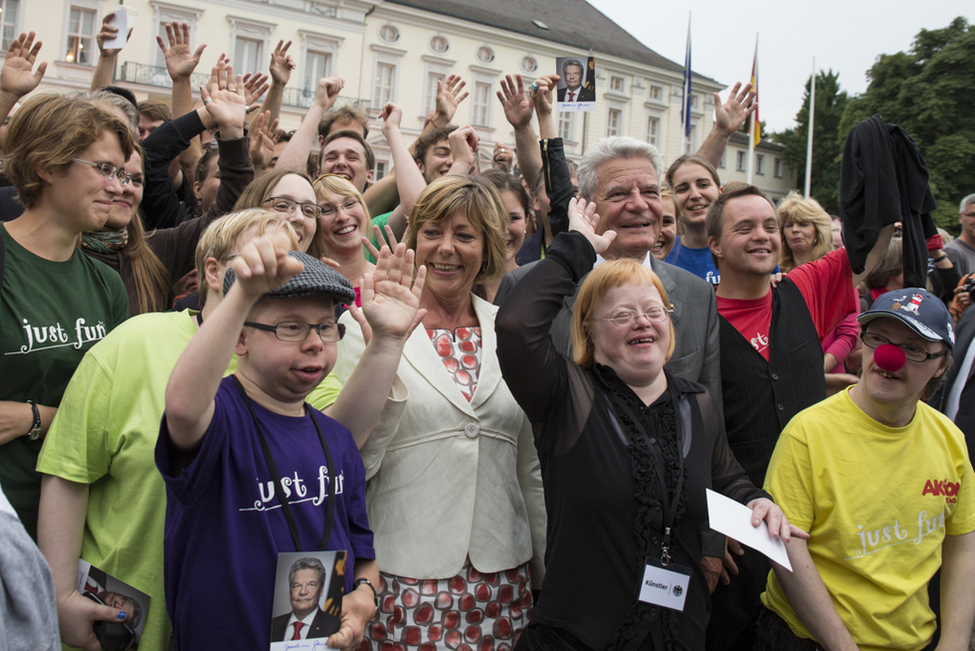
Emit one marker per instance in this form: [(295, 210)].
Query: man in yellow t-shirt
[(883, 484)]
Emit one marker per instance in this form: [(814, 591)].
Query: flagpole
[(754, 123), (809, 138), (685, 109)]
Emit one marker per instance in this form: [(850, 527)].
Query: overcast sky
[(845, 35)]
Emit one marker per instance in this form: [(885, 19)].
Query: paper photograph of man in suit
[(307, 620), (576, 81)]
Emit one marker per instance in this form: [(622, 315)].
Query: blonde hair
[(605, 277), (667, 193), (223, 236), (480, 201), (327, 186), (795, 209)]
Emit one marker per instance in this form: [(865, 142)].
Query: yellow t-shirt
[(877, 503)]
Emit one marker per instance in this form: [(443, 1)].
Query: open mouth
[(642, 340), (348, 229), (439, 266), (309, 373)]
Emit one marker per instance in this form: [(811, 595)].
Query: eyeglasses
[(294, 331), (627, 318), (911, 352), (285, 205), (347, 206), (107, 170)]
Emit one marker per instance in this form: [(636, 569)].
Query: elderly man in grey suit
[(622, 176)]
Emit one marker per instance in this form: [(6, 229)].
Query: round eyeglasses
[(911, 352), (295, 331), (285, 205)]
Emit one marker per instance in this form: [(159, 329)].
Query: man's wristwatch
[(35, 428), (375, 595)]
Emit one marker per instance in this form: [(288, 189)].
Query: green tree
[(827, 149), (930, 92)]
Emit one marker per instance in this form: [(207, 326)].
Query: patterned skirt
[(469, 612)]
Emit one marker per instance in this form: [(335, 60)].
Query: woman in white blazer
[(454, 494)]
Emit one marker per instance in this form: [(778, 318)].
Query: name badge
[(665, 586)]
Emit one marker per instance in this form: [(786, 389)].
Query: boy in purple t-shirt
[(230, 448)]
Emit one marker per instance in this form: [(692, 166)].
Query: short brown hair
[(715, 219), (355, 135), (424, 143), (482, 204), (155, 109), (603, 278), (47, 132), (343, 114)]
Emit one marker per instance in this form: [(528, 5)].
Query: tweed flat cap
[(316, 278)]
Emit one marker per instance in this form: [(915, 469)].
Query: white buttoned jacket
[(448, 478)]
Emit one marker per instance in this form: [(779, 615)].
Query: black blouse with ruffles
[(605, 515)]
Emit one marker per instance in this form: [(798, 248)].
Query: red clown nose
[(889, 357)]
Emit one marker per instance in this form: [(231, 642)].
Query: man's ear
[(47, 176), (241, 347), (369, 176), (321, 141), (715, 245), (212, 276)]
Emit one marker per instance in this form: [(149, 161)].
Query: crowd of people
[(501, 390)]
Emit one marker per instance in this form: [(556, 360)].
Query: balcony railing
[(141, 73), (303, 98)]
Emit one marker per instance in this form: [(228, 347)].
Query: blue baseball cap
[(917, 308)]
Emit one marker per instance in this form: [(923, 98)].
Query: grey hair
[(614, 148), (966, 202), (131, 110), (307, 563)]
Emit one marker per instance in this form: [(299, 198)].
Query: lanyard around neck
[(273, 468)]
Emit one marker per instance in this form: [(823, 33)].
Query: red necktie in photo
[(298, 627)]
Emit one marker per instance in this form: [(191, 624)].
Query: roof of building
[(741, 138), (570, 22)]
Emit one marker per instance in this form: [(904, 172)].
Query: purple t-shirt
[(225, 525)]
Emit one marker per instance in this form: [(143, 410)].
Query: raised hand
[(328, 91), (262, 131), (228, 108), (18, 77), (516, 104), (264, 264), (503, 156), (281, 64), (463, 145), (255, 85), (391, 293), (542, 98), (107, 33), (583, 218), (181, 59), (391, 116), (732, 114), (449, 97)]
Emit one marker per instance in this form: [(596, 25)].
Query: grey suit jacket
[(696, 353)]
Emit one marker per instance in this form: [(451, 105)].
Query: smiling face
[(515, 235), (285, 372), (668, 229), (343, 224), (297, 189), (437, 161), (306, 591), (206, 192), (637, 353), (750, 241), (80, 195), (628, 201), (453, 252), (346, 157), (125, 207), (696, 190), (800, 238), (881, 393), (573, 76)]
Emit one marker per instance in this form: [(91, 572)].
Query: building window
[(694, 102), (777, 167), (166, 13), (565, 125), (529, 64), (8, 21), (759, 164), (614, 122), (430, 102), (653, 130), (81, 33), (439, 44), (617, 84), (481, 105), (389, 33), (317, 65), (740, 161), (385, 79), (248, 55), (657, 93), (689, 147), (380, 169), (485, 54), (724, 158)]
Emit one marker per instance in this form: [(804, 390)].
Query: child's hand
[(264, 264)]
